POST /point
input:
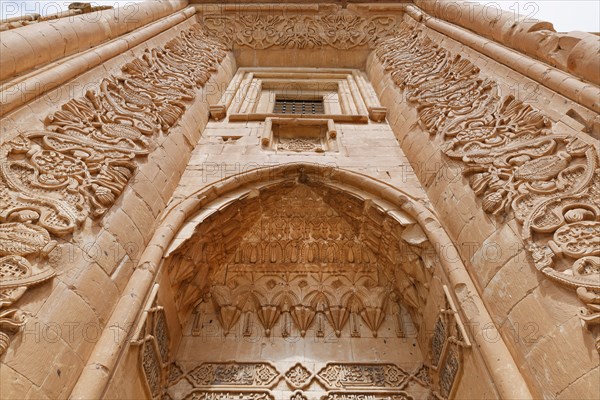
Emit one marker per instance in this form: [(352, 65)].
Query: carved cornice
[(515, 159), (52, 180)]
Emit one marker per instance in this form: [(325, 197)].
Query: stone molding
[(72, 10), (53, 180), (582, 92), (245, 95), (29, 86), (572, 52), (35, 45), (514, 159)]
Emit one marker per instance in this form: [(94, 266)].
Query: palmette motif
[(516, 161), (52, 180)]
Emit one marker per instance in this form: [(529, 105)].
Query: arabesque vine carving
[(342, 30), (52, 180), (516, 160)]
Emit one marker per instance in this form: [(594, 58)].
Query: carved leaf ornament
[(52, 180), (515, 160)]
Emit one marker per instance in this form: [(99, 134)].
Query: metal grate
[(298, 107)]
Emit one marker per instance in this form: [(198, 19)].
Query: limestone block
[(509, 285), (584, 58), (12, 384), (556, 363), (496, 251), (65, 367), (583, 388), (94, 280), (78, 33)]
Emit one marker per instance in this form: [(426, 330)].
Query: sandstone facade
[(299, 201)]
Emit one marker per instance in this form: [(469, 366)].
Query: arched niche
[(384, 227), (324, 257), (277, 246)]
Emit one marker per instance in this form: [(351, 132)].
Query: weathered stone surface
[(417, 218)]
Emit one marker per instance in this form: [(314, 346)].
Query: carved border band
[(52, 180), (342, 30), (514, 158)]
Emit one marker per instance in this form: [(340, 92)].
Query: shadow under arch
[(217, 203)]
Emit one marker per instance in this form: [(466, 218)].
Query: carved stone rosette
[(52, 180), (298, 376), (515, 159)]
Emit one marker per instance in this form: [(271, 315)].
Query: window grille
[(298, 106)]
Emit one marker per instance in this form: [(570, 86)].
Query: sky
[(566, 15)]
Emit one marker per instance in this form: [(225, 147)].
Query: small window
[(291, 106)]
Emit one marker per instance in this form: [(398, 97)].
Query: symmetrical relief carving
[(303, 299), (298, 376), (303, 256), (52, 180), (232, 374), (228, 395), (305, 136), (245, 380), (353, 376), (342, 30), (516, 160)]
